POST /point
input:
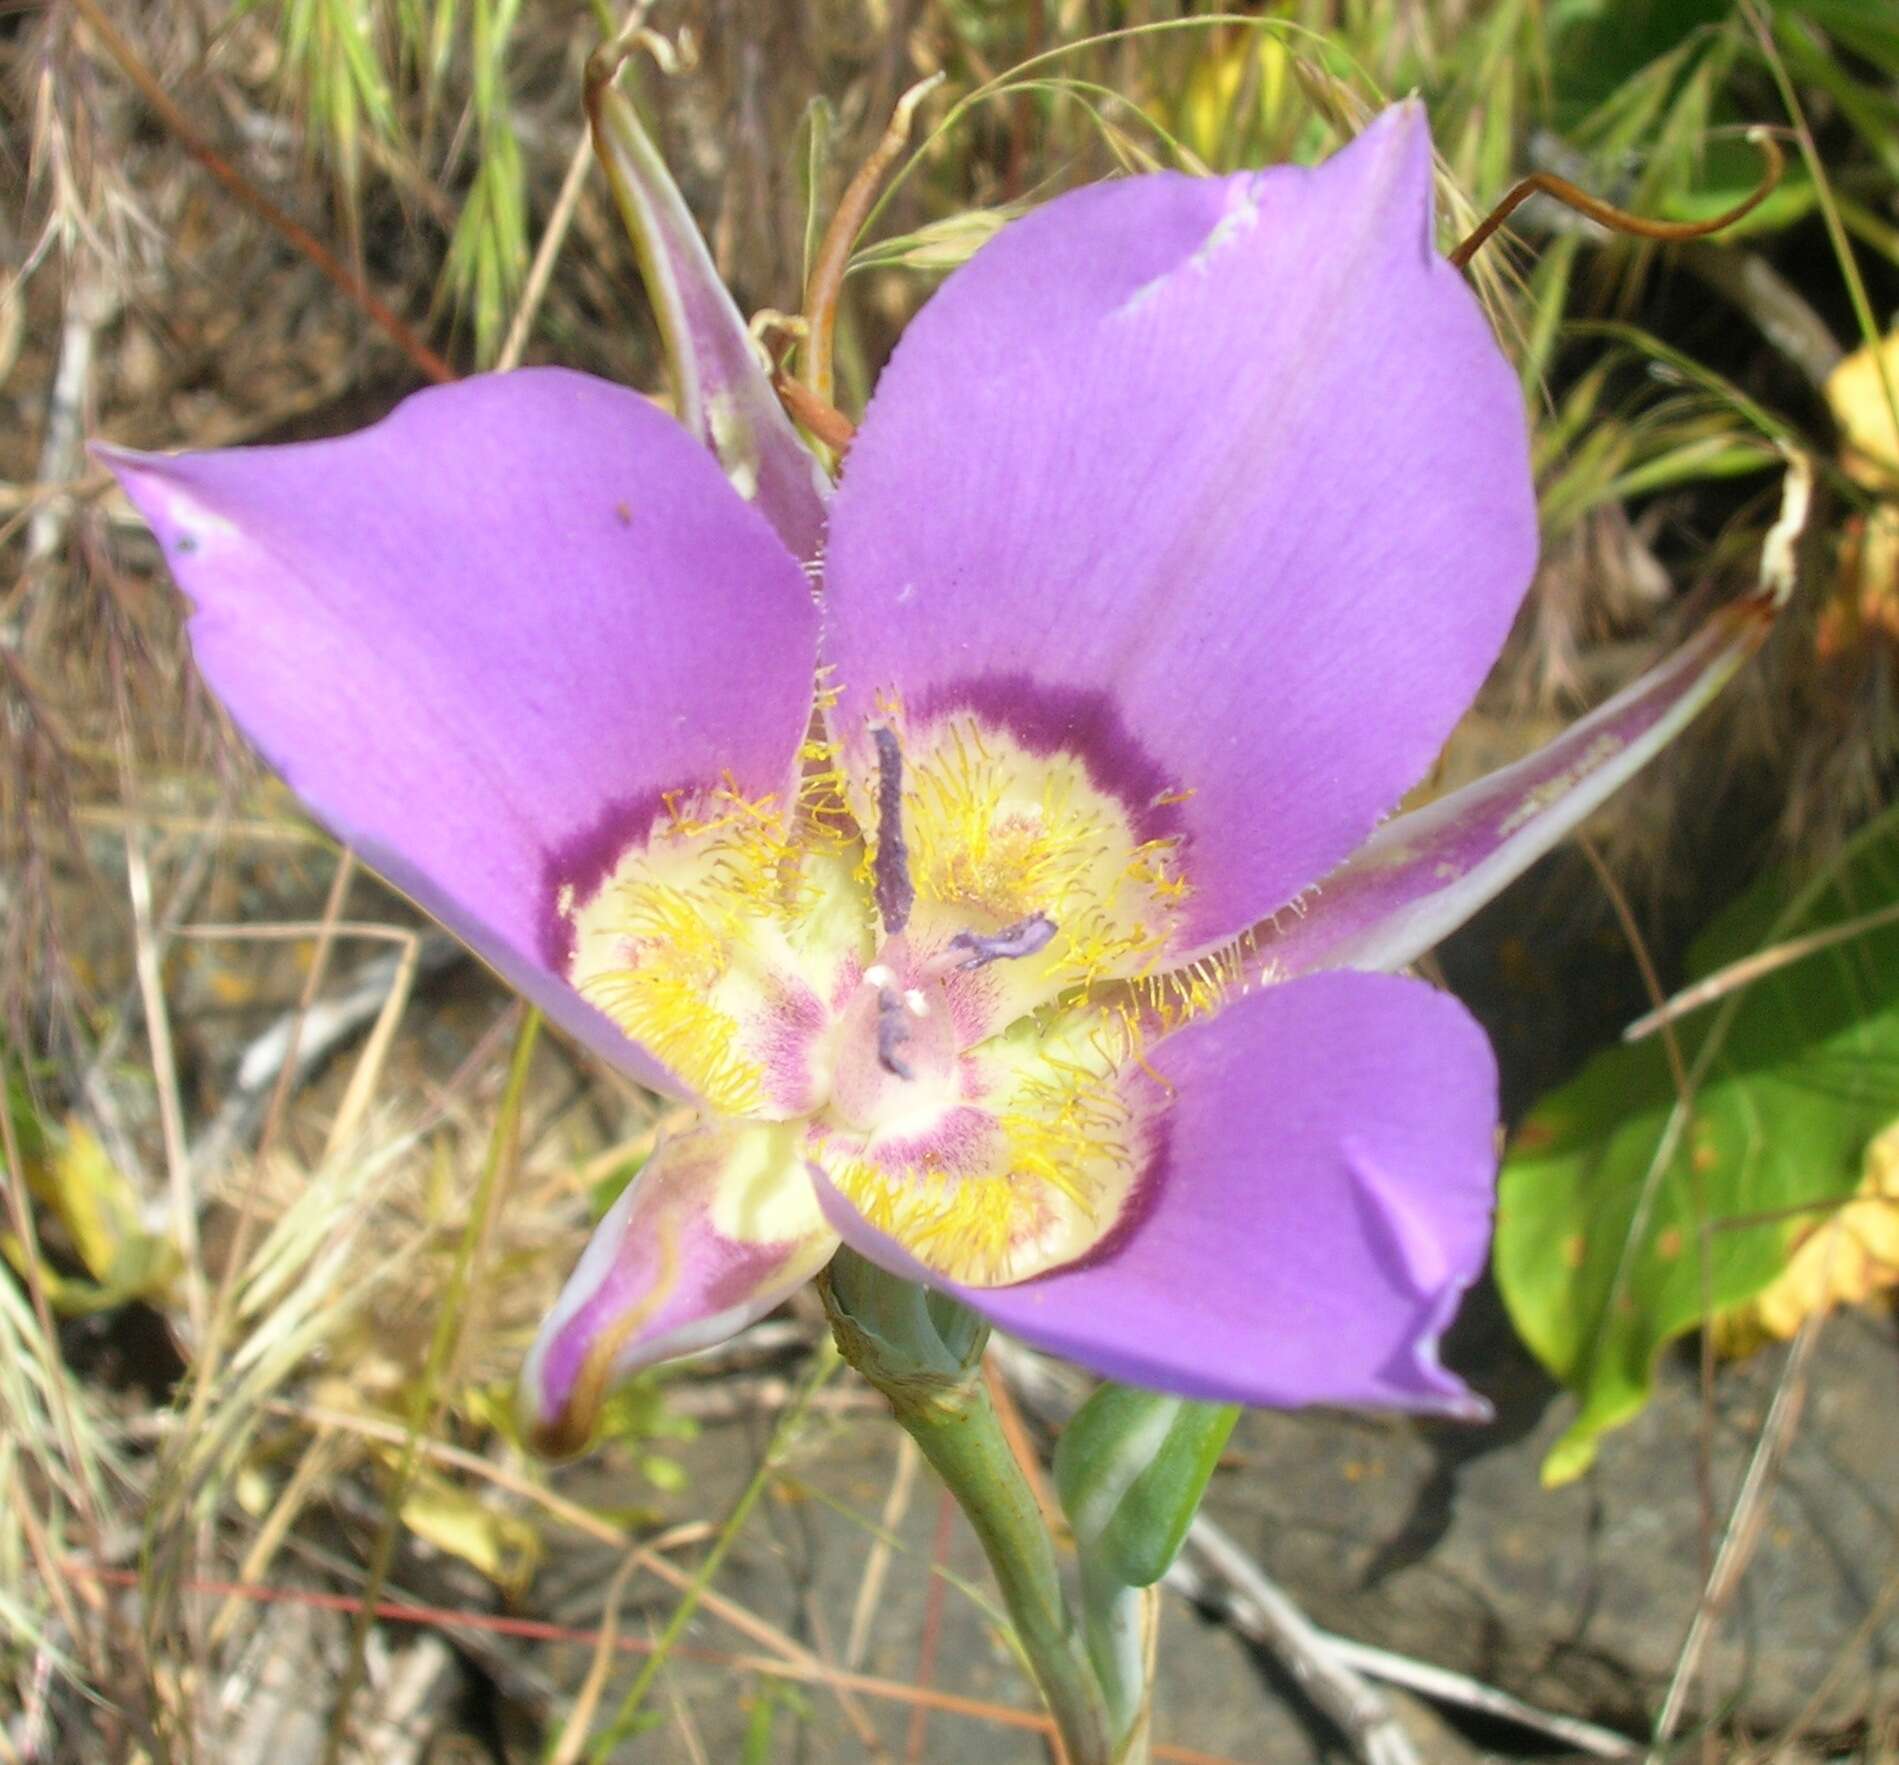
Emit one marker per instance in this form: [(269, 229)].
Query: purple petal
[(482, 637), (714, 1232), (723, 395), (1321, 1202), (1222, 483), (1422, 874)]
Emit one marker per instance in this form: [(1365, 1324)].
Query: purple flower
[(1024, 951)]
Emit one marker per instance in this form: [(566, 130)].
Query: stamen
[(893, 1030), (1027, 937), (896, 894)]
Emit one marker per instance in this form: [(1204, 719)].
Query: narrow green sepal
[(1131, 1469)]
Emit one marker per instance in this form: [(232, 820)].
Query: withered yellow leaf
[(1857, 392), (1850, 1256)]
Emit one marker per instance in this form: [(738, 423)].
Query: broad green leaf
[(1131, 1469), (1600, 1245)]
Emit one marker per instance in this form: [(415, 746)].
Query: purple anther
[(896, 894), (1027, 937), (893, 1030)]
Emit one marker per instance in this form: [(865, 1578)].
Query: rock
[(1439, 1541), (799, 1565), (1433, 1540)]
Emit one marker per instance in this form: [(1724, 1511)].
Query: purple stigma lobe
[(896, 894), (893, 1030), (1027, 937)]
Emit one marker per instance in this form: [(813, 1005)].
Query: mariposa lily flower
[(1007, 904)]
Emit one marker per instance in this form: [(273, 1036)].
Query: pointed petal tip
[(129, 465), (1448, 1399), (1473, 1408), (1405, 127), (1401, 163), (551, 1429), (160, 488), (1426, 1387)]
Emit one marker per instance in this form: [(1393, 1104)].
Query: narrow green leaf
[(813, 149)]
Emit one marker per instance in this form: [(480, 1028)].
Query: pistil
[(893, 1031), (896, 893)]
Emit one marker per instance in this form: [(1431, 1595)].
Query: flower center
[(725, 942), (896, 1055), (942, 969)]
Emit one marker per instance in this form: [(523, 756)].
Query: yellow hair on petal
[(691, 938), (1065, 1162), (998, 833)]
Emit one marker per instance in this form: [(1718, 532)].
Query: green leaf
[(1131, 1469), (1599, 1249), (939, 245), (816, 127)]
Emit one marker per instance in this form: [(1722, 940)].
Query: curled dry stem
[(834, 254), (1619, 220)]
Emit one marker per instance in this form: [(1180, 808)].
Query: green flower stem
[(964, 1441), (924, 1353)]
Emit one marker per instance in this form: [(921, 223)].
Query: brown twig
[(834, 254), (1704, 1236), (804, 407), (1360, 1713), (181, 129), (932, 1627), (1619, 220), (1744, 1523), (148, 966), (541, 271), (540, 1630), (877, 1565)]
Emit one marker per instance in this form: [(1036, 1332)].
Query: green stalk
[(924, 1353), (1112, 1620)]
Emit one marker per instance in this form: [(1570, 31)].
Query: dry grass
[(281, 1208)]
